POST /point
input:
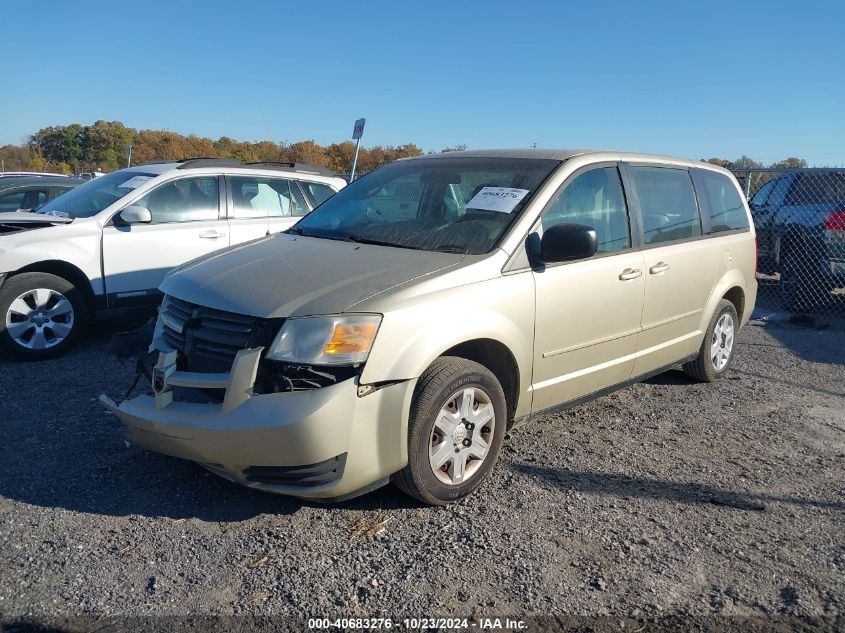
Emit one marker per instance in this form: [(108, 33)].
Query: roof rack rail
[(286, 166), (207, 161)]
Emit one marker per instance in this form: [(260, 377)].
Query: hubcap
[(39, 319), (722, 342), (461, 437)]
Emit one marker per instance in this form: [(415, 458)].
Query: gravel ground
[(665, 499)]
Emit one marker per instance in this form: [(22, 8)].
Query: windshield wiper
[(360, 239), (295, 231)]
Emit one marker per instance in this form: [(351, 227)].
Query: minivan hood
[(287, 275)]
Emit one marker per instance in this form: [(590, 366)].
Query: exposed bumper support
[(238, 382), (273, 433)]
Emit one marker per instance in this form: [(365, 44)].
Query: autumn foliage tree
[(75, 148)]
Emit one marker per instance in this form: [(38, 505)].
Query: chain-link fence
[(799, 215)]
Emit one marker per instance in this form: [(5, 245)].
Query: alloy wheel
[(722, 342), (39, 318)]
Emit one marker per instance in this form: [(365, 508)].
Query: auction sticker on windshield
[(502, 199), (135, 182)]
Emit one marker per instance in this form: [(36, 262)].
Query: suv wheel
[(716, 353), (455, 431), (40, 315)]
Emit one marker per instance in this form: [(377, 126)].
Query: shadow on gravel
[(633, 487), (151, 485), (817, 338), (671, 377)]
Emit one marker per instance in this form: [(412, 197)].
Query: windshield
[(95, 195), (456, 204)]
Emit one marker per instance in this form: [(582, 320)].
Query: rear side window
[(723, 201), (319, 191), (668, 205), (759, 198), (266, 197)]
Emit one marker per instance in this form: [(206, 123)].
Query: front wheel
[(717, 350), (455, 431), (40, 315)]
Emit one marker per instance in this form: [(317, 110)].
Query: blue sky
[(696, 79)]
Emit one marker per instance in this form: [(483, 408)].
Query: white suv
[(107, 245)]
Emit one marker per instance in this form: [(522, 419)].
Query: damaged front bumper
[(322, 443)]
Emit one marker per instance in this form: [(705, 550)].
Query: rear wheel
[(40, 315), (455, 431), (717, 349)]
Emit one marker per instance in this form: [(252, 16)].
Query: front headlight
[(326, 340)]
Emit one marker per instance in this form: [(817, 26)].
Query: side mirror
[(133, 214), (563, 242)]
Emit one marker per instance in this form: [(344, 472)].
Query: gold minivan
[(400, 329)]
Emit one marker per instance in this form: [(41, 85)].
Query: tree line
[(76, 148)]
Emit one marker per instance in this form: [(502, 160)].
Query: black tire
[(702, 368), (446, 376), (800, 289), (55, 345)]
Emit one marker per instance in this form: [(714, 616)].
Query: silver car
[(399, 330)]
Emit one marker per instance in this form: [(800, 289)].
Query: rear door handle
[(630, 273), (659, 267), (211, 235)]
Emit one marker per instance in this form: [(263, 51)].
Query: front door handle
[(659, 267), (630, 273), (211, 235)]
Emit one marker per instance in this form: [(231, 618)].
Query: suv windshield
[(95, 195), (458, 204)]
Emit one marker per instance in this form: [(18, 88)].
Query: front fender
[(413, 335)]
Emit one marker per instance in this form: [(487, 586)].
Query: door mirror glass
[(564, 242), (134, 214)]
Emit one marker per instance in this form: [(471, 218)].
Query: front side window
[(596, 199), (257, 197), (451, 204), (667, 202), (727, 212), (185, 200), (95, 195)]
